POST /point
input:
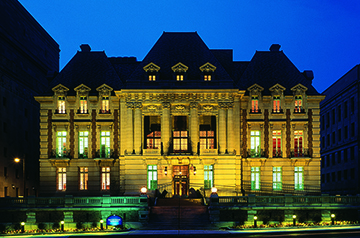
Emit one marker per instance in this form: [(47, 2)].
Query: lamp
[(255, 221), (332, 219), (17, 160), (101, 224), (62, 225), (165, 170), (143, 190), (294, 220), (213, 190), (194, 170), (22, 227)]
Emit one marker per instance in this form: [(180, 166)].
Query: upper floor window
[(277, 144), (153, 140), (105, 105), (298, 104), (277, 178), (339, 112), (255, 144), (276, 104), (299, 178), (207, 140), (254, 104), (61, 150), (84, 178), (207, 77), (105, 178), (83, 144), (345, 109), (179, 77), (152, 177), (61, 105), (298, 144), (180, 139), (61, 178), (152, 77), (105, 144), (83, 105)]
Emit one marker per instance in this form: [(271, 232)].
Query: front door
[(181, 179)]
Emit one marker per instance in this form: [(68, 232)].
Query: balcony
[(255, 154), (104, 111), (277, 111), (60, 111), (255, 111), (82, 111), (277, 154), (65, 154), (299, 111), (152, 151), (299, 153)]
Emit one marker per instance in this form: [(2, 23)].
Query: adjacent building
[(185, 118), (340, 136), (27, 55)]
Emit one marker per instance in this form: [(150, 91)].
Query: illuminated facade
[(184, 117)]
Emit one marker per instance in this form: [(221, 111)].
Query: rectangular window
[(152, 77), (254, 104), (105, 178), (61, 105), (352, 130), (339, 135), (338, 157), (83, 105), (333, 177), (152, 132), (255, 144), (152, 177), (299, 178), (352, 173), (345, 109), (352, 105), (61, 178), (333, 116), (61, 150), (277, 178), (105, 144), (255, 178), (84, 177), (276, 104), (333, 160), (346, 131), (339, 112), (346, 155), (327, 120), (105, 105), (333, 139), (207, 140), (180, 141), (345, 174), (339, 175), (352, 153), (298, 104), (179, 77), (153, 140), (207, 77), (83, 144), (208, 176), (277, 144), (298, 144)]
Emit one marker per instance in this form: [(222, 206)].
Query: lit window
[(207, 140), (152, 177), (180, 141), (61, 105), (105, 105), (179, 77), (298, 104), (152, 77), (277, 178), (277, 144), (83, 144), (105, 178), (254, 104), (207, 77), (298, 144), (84, 176), (208, 176), (61, 178), (105, 144), (83, 105), (255, 178), (153, 140), (255, 144), (276, 105), (61, 150), (299, 178)]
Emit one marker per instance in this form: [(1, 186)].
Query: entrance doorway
[(181, 179)]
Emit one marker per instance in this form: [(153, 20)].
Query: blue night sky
[(318, 35)]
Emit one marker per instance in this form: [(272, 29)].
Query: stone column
[(230, 128), (222, 128), (165, 126), (194, 126), (137, 128), (130, 128), (49, 134)]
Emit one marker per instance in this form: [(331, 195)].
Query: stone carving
[(166, 105), (193, 105)]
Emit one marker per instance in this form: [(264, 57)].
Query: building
[(27, 54), (185, 118), (340, 136)]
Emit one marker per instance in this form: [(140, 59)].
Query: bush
[(56, 225), (79, 225), (41, 226)]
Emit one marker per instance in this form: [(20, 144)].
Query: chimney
[(308, 74), (275, 47), (85, 48)]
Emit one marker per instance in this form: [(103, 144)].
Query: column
[(194, 126), (129, 134), (165, 126), (230, 128), (137, 128), (222, 128)]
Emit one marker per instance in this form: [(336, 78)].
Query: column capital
[(138, 105), (194, 105), (166, 105), (129, 105), (223, 105)]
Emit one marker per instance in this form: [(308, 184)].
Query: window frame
[(105, 178), (105, 140), (277, 178), (255, 178), (255, 143), (83, 178), (298, 178), (61, 178), (61, 143), (152, 177), (208, 176), (83, 139), (182, 139), (61, 105)]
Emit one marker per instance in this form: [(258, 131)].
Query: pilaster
[(165, 126), (222, 128), (130, 128), (137, 128), (194, 126)]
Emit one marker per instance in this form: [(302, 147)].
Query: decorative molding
[(255, 90), (60, 90), (194, 105), (104, 90), (166, 105), (151, 67), (179, 68), (207, 67), (82, 90), (179, 109), (299, 89), (138, 105), (277, 89)]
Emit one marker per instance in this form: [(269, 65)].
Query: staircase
[(178, 214)]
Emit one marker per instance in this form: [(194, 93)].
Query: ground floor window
[(84, 176), (152, 177), (299, 178), (277, 178), (255, 178), (208, 176), (105, 178), (61, 178)]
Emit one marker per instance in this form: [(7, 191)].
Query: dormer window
[(254, 104), (105, 105), (83, 105), (298, 104), (61, 105), (104, 93), (207, 77), (207, 69), (179, 77), (277, 92), (82, 92), (152, 77), (151, 69), (180, 71), (299, 95), (276, 105), (255, 94)]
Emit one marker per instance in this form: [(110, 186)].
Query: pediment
[(60, 90), (151, 67), (207, 67), (82, 89), (255, 89), (299, 89), (179, 68), (104, 89), (277, 89)]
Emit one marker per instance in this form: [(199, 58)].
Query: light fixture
[(332, 219), (143, 190), (165, 170), (213, 190), (294, 216), (194, 170), (294, 220), (62, 225), (22, 227), (255, 221), (101, 224)]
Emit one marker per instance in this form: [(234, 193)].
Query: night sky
[(318, 35)]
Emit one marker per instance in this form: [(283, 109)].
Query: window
[(352, 105), (179, 77), (61, 105), (105, 144), (152, 77), (345, 155), (333, 159), (333, 116), (152, 132), (83, 144), (152, 177), (328, 177), (339, 135), (276, 104), (327, 120), (180, 141), (333, 139), (339, 112), (338, 157), (323, 162), (352, 130), (352, 153), (105, 105), (207, 140), (345, 174), (298, 104), (61, 178), (207, 132), (105, 178), (277, 178), (153, 140), (255, 178), (352, 173), (84, 177), (255, 144), (254, 104), (207, 77), (299, 178), (208, 176), (61, 150), (83, 105), (346, 110), (333, 178), (298, 144), (277, 144), (339, 175), (346, 132)]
